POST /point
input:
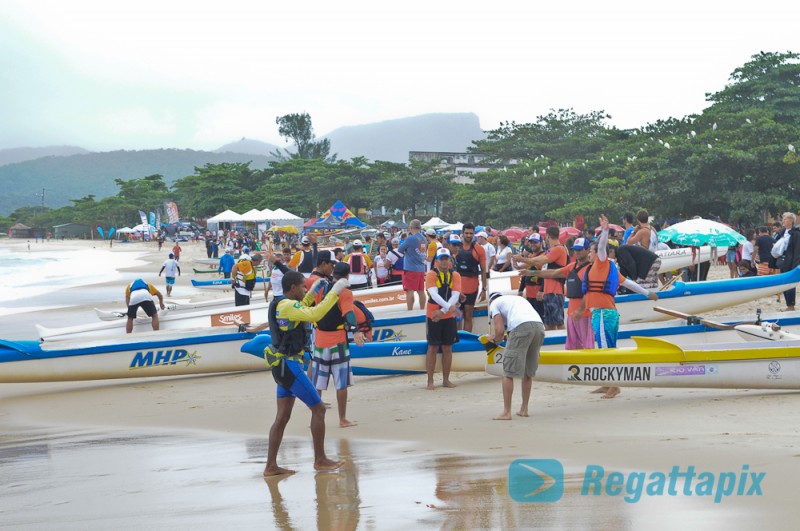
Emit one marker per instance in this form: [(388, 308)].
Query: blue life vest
[(609, 285), (138, 284)]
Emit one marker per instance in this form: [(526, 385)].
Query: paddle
[(693, 319)]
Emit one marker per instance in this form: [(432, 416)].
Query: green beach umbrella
[(699, 232)]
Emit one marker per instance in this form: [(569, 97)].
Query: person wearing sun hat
[(444, 290)]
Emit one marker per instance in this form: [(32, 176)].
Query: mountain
[(13, 155), (248, 145), (393, 139), (75, 176)]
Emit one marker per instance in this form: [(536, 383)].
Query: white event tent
[(435, 223)]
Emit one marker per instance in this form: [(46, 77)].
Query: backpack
[(398, 266), (367, 325), (356, 264)]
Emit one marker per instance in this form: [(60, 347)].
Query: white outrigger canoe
[(655, 362), (171, 305), (672, 259), (130, 356), (224, 349), (394, 322)]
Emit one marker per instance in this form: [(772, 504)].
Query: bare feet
[(448, 384), (503, 416), (788, 309), (522, 413), (346, 423), (327, 464), (277, 471), (430, 386), (600, 390), (612, 392)]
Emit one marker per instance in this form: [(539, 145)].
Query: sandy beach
[(188, 452)]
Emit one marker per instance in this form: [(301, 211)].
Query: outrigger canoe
[(658, 363), (130, 356), (394, 322), (224, 349), (220, 283), (171, 305)]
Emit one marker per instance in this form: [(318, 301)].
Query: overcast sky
[(145, 74)]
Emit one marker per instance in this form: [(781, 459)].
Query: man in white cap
[(360, 266), (433, 245), (306, 260), (513, 315), (444, 290), (483, 240)]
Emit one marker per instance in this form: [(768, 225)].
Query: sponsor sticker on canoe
[(157, 358), (608, 373), (682, 370), (230, 318), (383, 299)]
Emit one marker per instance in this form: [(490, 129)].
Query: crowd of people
[(314, 314)]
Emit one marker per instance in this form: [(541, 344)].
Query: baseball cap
[(443, 253), (455, 239), (482, 234), (535, 237), (581, 244), (430, 232), (171, 255), (324, 256), (357, 243), (396, 241), (494, 295), (246, 250), (341, 269), (305, 240)]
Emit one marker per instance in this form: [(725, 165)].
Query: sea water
[(33, 280)]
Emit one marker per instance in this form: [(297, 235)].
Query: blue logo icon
[(536, 480)]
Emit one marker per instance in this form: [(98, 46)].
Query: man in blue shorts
[(171, 266), (287, 318)]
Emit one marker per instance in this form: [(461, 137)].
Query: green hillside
[(75, 176)]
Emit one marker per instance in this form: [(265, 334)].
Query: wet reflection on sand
[(126, 480)]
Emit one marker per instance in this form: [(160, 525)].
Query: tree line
[(735, 161)]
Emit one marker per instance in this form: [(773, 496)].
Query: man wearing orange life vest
[(600, 281), (444, 290), (243, 279)]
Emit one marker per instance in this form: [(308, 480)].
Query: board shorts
[(414, 280), (300, 386), (149, 308), (170, 281), (521, 355), (442, 332), (553, 309), (580, 333), (651, 280), (470, 299), (332, 361), (605, 322)]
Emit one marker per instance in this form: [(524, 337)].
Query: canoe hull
[(148, 355)]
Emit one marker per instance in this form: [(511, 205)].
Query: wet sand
[(189, 452)]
